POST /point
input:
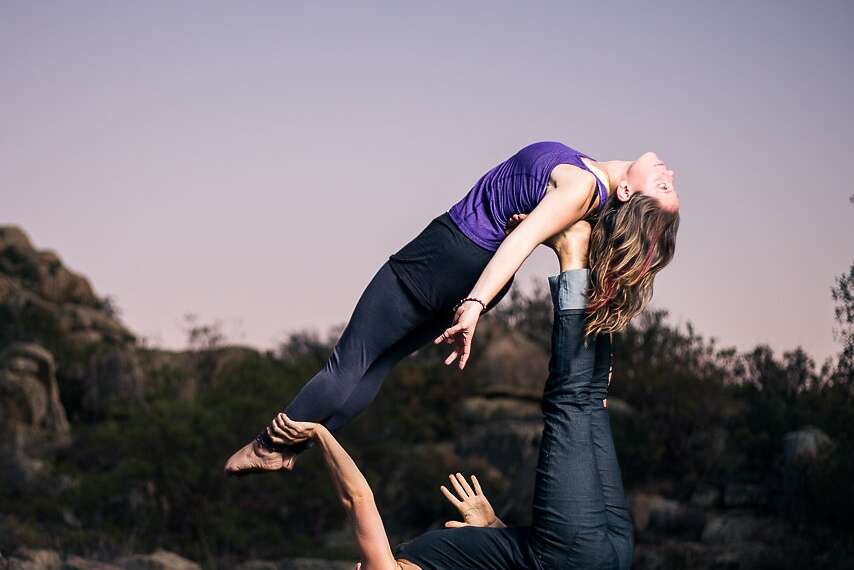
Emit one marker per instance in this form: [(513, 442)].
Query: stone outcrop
[(78, 563), (157, 560), (504, 417), (511, 365), (32, 419), (42, 271), (655, 513), (34, 559), (41, 300), (805, 445), (297, 564)]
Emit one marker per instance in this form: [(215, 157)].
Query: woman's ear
[(623, 192)]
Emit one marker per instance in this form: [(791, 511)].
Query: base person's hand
[(469, 501)]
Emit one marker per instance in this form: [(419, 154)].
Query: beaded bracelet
[(482, 304)]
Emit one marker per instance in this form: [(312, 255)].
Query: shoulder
[(569, 175)]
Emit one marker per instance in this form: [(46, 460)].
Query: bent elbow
[(357, 498)]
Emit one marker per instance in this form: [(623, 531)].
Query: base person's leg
[(620, 527), (569, 527)]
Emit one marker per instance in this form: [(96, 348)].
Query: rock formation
[(43, 301), (32, 419)]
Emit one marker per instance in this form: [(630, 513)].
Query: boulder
[(804, 446), (479, 409), (32, 420), (35, 559), (157, 560), (258, 565), (655, 513), (671, 554), (42, 270), (314, 564), (114, 374), (43, 301), (741, 526), (619, 407), (510, 365), (297, 564), (78, 563), (504, 452)]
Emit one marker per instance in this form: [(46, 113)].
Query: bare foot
[(571, 245), (254, 458)]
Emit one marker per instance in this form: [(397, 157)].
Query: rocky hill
[(75, 381)]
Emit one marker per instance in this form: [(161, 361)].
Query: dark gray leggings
[(387, 325), (580, 514)]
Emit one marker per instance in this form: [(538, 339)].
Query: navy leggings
[(580, 515), (388, 324)]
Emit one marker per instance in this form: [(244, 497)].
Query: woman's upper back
[(514, 186)]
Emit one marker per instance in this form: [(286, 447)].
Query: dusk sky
[(257, 162)]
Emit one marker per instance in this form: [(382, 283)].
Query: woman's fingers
[(476, 484), (466, 350), (279, 422), (283, 428), (465, 356), (289, 424), (457, 487), (280, 436), (455, 524), (449, 334), (273, 437), (295, 427), (465, 484), (451, 357), (450, 496)]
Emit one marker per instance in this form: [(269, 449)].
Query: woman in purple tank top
[(461, 265)]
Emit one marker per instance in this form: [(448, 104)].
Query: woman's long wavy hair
[(631, 242)]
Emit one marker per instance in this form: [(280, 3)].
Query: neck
[(616, 171)]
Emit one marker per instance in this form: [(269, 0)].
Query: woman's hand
[(284, 430), (556, 242), (513, 222), (461, 333), (472, 504)]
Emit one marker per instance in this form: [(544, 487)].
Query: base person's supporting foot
[(571, 245), (254, 458)]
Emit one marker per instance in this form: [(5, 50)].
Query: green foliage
[(150, 475)]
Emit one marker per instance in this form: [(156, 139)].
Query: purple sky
[(256, 162)]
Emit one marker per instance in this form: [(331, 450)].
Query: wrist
[(319, 433), (472, 301)]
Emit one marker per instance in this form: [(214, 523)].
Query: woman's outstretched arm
[(561, 207), (350, 485)]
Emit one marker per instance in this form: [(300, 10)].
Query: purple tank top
[(514, 186)]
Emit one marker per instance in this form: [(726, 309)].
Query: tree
[(843, 293)]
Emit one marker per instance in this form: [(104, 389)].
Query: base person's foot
[(255, 458), (571, 245)]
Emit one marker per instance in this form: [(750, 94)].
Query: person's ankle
[(568, 262)]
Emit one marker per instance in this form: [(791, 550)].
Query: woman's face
[(649, 175)]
